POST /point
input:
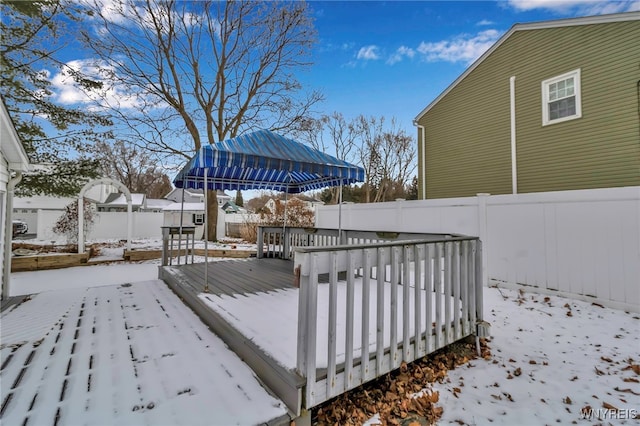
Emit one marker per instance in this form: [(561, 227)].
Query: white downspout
[(514, 166), (424, 160), (8, 235)]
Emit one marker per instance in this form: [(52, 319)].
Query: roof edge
[(567, 22), (20, 160)]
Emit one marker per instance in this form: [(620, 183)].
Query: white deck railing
[(398, 302), (278, 242)]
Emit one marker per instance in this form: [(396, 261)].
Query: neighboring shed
[(193, 195), (192, 215), (551, 106), (117, 202), (157, 204)]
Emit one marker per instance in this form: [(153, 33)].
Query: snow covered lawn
[(552, 357), (120, 354)]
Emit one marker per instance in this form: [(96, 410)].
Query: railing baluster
[(366, 289), (406, 288), (448, 293), (331, 346), (438, 293), (348, 361), (395, 279), (417, 286), (380, 310), (428, 290), (464, 279)]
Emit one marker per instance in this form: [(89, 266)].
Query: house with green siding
[(551, 106)]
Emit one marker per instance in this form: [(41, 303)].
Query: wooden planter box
[(48, 261)]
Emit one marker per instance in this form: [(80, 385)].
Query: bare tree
[(201, 72), (387, 154), (370, 131), (331, 134), (133, 167)]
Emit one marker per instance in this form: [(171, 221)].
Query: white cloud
[(464, 48), (68, 92), (579, 7), (368, 53), (484, 23), (401, 53)]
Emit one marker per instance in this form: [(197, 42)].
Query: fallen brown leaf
[(626, 390), (634, 367)]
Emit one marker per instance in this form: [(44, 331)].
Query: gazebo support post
[(340, 214), (180, 238), (206, 235), (285, 251)]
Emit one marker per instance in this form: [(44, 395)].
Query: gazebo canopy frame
[(264, 160)]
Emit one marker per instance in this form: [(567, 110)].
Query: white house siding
[(12, 157), (4, 178), (584, 244)]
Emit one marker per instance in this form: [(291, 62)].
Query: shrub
[(67, 224)]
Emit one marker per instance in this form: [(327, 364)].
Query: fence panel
[(583, 244)]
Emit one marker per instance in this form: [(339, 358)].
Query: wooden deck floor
[(236, 277), (229, 277)]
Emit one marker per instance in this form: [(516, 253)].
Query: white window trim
[(197, 216), (545, 97)]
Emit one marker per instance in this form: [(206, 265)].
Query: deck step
[(250, 276)]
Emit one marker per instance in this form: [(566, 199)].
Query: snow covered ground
[(552, 357)]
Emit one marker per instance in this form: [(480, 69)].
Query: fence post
[(480, 275), (483, 234), (300, 261)]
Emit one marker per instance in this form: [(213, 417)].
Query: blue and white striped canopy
[(265, 160)]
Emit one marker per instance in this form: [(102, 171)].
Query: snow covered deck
[(347, 323), (122, 354)]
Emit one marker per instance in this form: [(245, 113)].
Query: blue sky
[(388, 58), (392, 58)]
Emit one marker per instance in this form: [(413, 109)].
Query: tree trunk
[(212, 215)]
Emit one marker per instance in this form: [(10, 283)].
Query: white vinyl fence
[(107, 225), (582, 244)]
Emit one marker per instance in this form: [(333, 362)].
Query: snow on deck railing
[(413, 298)]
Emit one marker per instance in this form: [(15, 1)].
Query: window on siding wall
[(561, 100), (198, 218)]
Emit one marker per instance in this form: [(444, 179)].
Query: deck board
[(231, 277)]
